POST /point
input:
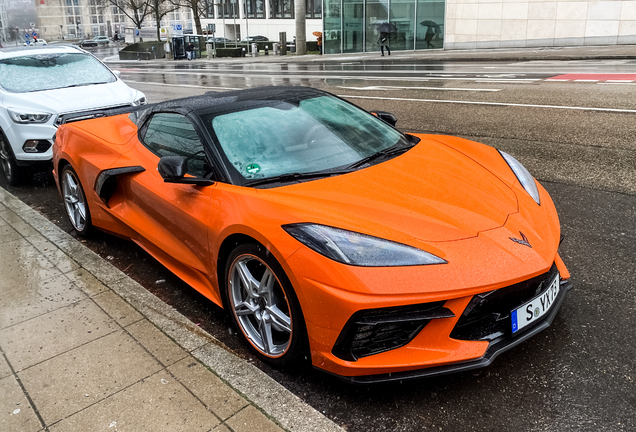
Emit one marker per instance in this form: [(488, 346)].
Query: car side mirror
[(174, 168), (387, 117), (117, 73)]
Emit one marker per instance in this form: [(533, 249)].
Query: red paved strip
[(597, 77)]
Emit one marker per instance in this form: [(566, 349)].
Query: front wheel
[(75, 201), (12, 171), (264, 305)]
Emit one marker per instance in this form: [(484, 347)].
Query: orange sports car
[(323, 230)]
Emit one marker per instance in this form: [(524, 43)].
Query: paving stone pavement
[(85, 348)]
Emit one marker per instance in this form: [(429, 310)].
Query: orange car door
[(171, 218)]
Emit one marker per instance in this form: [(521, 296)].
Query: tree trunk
[(157, 18), (197, 18), (301, 32)]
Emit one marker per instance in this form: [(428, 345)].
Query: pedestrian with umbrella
[(319, 40), (385, 30), (432, 28)]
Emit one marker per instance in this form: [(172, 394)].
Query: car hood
[(431, 193), (73, 99)]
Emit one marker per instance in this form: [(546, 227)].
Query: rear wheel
[(264, 305), (11, 170), (75, 201)]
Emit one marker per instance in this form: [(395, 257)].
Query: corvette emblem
[(523, 240)]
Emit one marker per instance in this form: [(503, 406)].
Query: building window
[(230, 8), (255, 8), (314, 9), (281, 9)]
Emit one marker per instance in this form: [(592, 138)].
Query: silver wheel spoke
[(266, 286), (265, 330), (279, 320), (249, 283), (245, 308)]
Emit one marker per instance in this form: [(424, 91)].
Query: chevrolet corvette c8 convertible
[(323, 230)]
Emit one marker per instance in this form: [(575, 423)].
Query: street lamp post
[(222, 13), (233, 3), (247, 30)]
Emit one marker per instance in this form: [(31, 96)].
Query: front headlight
[(525, 178), (140, 101), (357, 249), (27, 117)]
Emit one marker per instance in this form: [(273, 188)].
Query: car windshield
[(48, 71), (317, 134)]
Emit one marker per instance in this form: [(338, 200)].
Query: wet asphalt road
[(577, 375)]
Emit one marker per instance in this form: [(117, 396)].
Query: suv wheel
[(11, 170)]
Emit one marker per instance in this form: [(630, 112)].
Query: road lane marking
[(493, 104), (218, 72), (418, 88), (593, 77)]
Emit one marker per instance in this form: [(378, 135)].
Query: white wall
[(527, 23)]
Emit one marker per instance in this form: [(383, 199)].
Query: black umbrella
[(429, 23), (387, 28)]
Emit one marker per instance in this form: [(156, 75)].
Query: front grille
[(487, 316), (373, 331)]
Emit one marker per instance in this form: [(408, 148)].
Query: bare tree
[(161, 8), (199, 10), (136, 10)]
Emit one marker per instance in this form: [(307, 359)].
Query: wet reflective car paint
[(184, 227)]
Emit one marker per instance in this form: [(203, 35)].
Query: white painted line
[(619, 81), (502, 81), (494, 104), (183, 85), (585, 80), (418, 88), (219, 72), (556, 80)]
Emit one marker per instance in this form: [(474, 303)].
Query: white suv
[(38, 86)]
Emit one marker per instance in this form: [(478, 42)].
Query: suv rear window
[(46, 71)]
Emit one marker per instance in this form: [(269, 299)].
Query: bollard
[(266, 50), (254, 50)]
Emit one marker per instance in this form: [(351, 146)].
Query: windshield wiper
[(390, 151), (284, 178), (84, 84)]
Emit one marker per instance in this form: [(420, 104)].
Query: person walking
[(189, 50), (383, 41), (430, 33)]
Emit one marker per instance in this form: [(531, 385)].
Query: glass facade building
[(352, 25)]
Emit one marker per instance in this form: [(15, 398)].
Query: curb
[(266, 394)]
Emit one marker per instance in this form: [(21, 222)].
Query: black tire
[(75, 201), (13, 173), (287, 343)]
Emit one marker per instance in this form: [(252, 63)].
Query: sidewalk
[(611, 52), (85, 348)]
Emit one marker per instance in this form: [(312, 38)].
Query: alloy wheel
[(74, 200), (5, 158), (260, 305)]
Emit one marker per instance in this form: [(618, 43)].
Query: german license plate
[(533, 310)]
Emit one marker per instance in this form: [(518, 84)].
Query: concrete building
[(77, 19), (352, 25), (495, 24), (236, 19)]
